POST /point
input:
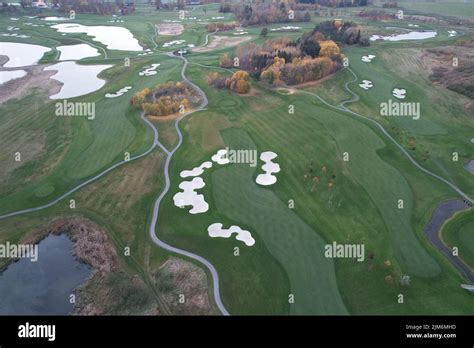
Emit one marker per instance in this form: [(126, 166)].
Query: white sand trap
[(452, 33), (399, 93), (6, 76), (190, 197), (115, 38), (286, 28), (412, 35), (119, 93), (196, 171), (269, 167), (22, 36), (149, 70), (216, 230), (472, 140), (55, 18), (12, 28), (219, 17), (221, 157), (173, 43), (77, 79), (20, 54), (14, 19), (368, 58), (77, 52), (413, 25), (147, 52), (241, 33), (366, 84)]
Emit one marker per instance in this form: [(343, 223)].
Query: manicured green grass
[(460, 9), (288, 255)]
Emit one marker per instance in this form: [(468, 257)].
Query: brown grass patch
[(170, 29)]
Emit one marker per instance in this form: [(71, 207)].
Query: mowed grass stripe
[(295, 245)]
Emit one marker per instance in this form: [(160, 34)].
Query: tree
[(264, 32), (225, 61)]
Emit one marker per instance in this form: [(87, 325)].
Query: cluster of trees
[(283, 61), (212, 27), (238, 82), (264, 13), (299, 70), (376, 15), (7, 8), (339, 31), (390, 4), (165, 105), (170, 5), (164, 99), (96, 6), (336, 3)]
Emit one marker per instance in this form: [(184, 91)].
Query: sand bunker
[(269, 167), (287, 28), (20, 36), (221, 157), (55, 18), (452, 33), (147, 52), (190, 197), (149, 70), (218, 42), (196, 171), (173, 43), (399, 93), (119, 93), (170, 29), (368, 58), (216, 230), (366, 84)]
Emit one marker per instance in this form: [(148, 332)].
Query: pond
[(43, 287)]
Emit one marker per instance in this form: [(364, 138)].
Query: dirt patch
[(184, 286), (35, 78), (219, 41), (170, 29)]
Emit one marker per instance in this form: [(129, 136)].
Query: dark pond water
[(43, 287)]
